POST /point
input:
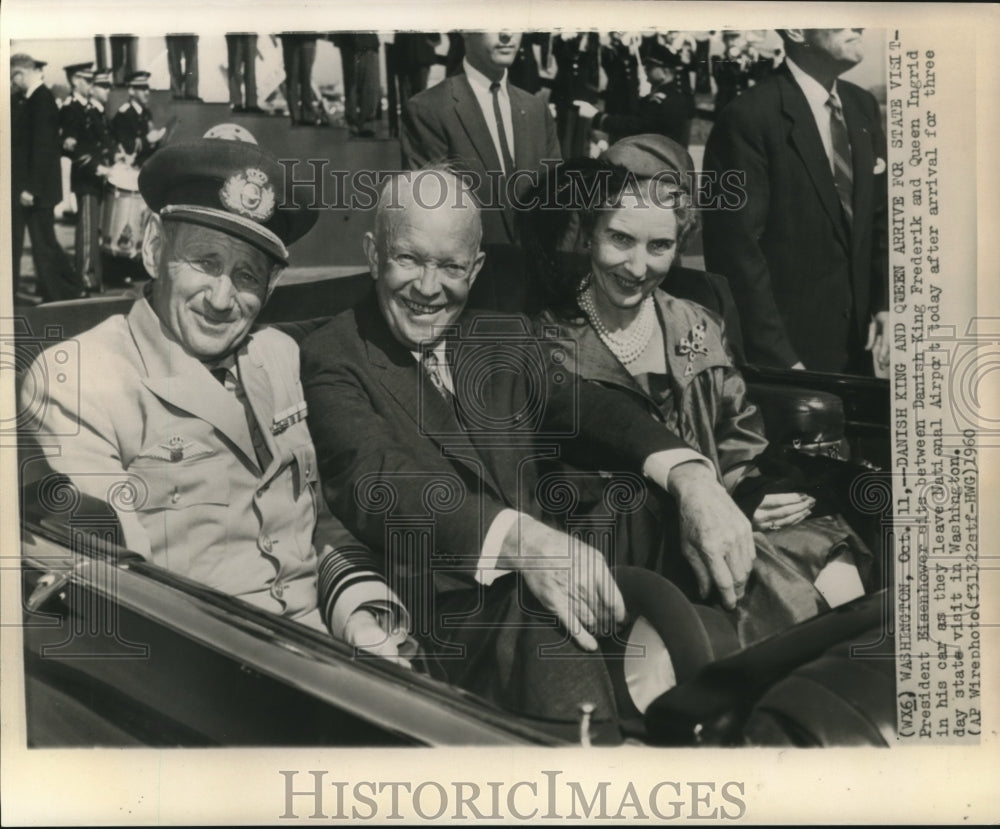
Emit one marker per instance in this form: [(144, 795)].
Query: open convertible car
[(121, 652)]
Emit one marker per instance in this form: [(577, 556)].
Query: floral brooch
[(692, 345)]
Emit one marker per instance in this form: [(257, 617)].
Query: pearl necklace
[(626, 345)]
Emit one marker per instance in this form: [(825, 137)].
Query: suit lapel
[(180, 380), (471, 116), (804, 135), (397, 371), (862, 156), (473, 120)]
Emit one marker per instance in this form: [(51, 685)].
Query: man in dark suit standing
[(36, 181), (501, 133), (429, 424), (805, 251)]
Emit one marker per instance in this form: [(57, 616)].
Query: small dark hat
[(84, 70), (21, 60), (138, 80), (650, 154), (229, 185)]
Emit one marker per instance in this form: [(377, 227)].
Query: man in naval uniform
[(192, 425)]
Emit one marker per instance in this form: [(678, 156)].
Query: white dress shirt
[(481, 89), (817, 96)]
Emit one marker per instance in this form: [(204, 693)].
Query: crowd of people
[(272, 464)]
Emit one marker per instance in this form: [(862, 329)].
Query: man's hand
[(69, 144), (26, 199), (585, 108), (716, 538), (799, 366), (782, 509), (103, 171), (153, 136), (878, 343), (569, 578), (364, 631)]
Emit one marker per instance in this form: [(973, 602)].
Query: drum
[(124, 213)]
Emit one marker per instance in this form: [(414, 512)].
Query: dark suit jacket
[(93, 146), (806, 284), (129, 130), (446, 121), (389, 446), (36, 147)]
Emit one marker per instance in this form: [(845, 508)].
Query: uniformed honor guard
[(132, 126), (91, 156), (73, 112), (664, 110), (621, 66)]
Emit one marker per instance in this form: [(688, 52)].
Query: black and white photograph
[(603, 399)]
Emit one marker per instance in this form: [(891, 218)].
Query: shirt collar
[(478, 79), (77, 96), (31, 89), (136, 105), (814, 91), (97, 104)]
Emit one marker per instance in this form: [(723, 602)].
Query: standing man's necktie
[(508, 159), (843, 169)]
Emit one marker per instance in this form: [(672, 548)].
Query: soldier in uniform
[(73, 112), (132, 126), (621, 65), (664, 110), (87, 143)]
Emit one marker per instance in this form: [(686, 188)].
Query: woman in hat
[(601, 262)]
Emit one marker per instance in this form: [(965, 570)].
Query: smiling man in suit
[(806, 251), (501, 133), (430, 423), (192, 424)]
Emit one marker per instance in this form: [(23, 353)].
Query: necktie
[(508, 160), (843, 170), (230, 383), (433, 369)]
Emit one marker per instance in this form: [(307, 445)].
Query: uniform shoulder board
[(124, 107)]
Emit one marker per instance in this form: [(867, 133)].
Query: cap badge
[(250, 194)]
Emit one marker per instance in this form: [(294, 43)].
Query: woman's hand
[(782, 509)]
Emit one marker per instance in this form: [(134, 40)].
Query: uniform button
[(175, 497), (266, 544), (278, 590)]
